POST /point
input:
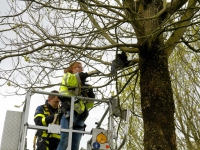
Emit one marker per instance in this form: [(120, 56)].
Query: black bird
[(119, 62)]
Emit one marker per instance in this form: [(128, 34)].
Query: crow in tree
[(119, 62)]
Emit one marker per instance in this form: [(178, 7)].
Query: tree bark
[(156, 92), (156, 98)]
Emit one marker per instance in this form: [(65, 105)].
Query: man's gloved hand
[(90, 73), (83, 76)]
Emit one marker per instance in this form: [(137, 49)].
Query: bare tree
[(47, 35)]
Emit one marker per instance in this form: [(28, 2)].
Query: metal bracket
[(54, 128)]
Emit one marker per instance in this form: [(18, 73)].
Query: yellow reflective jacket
[(71, 86)]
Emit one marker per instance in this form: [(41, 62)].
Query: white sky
[(7, 103)]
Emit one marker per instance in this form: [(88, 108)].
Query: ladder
[(100, 138)]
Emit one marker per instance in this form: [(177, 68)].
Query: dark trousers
[(44, 144)]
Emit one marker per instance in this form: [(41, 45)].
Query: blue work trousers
[(76, 137)]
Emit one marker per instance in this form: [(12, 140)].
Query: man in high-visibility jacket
[(44, 115), (71, 85)]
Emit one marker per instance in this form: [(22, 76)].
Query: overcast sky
[(7, 103)]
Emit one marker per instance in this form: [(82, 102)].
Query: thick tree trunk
[(155, 85), (156, 98)]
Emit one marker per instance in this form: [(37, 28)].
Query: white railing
[(25, 126)]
